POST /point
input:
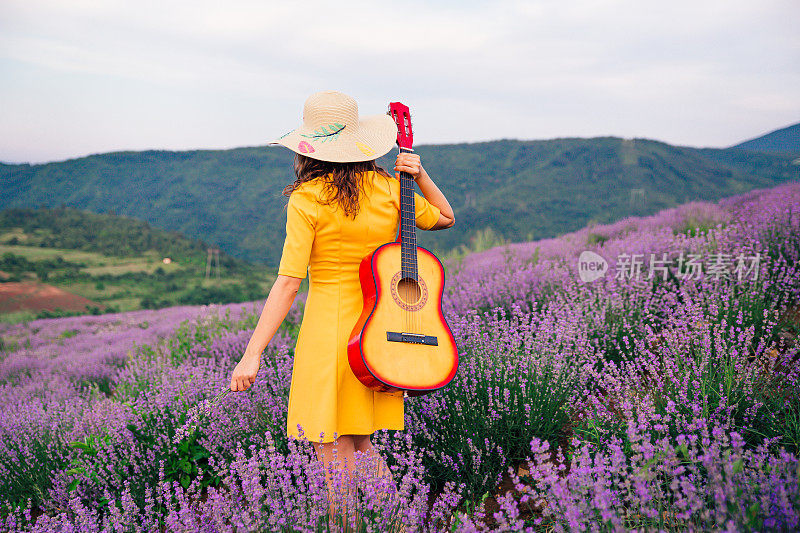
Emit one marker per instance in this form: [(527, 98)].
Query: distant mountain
[(523, 190), (784, 140)]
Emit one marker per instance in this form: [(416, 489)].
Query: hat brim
[(374, 137)]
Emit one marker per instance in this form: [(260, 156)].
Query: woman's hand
[(408, 162), (245, 372)]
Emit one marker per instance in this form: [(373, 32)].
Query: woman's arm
[(280, 299), (408, 162)]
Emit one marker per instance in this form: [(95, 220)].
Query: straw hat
[(333, 131)]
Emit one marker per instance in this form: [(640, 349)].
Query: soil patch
[(33, 296)]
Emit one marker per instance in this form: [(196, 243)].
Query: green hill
[(523, 190), (784, 140), (105, 233)]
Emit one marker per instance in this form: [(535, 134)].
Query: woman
[(341, 207)]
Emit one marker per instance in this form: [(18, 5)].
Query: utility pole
[(638, 200), (212, 251)]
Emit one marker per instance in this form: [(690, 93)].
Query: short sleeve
[(427, 214), (301, 219)]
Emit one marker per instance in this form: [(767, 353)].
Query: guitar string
[(408, 250)]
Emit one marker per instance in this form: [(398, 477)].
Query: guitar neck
[(408, 225)]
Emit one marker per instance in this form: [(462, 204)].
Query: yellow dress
[(325, 396)]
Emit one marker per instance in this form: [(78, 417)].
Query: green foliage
[(483, 239), (184, 462), (28, 480), (194, 292), (154, 440), (720, 385), (103, 385), (18, 264), (694, 226), (780, 415), (595, 238), (59, 312), (469, 509), (67, 333), (221, 294), (83, 464)]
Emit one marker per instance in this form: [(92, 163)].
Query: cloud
[(687, 72)]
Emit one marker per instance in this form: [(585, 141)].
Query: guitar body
[(381, 352)]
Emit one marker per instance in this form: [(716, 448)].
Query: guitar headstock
[(402, 117)]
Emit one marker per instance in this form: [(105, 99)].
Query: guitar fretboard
[(408, 227)]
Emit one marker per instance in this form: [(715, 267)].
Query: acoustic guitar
[(401, 341)]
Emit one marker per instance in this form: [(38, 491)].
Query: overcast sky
[(82, 77)]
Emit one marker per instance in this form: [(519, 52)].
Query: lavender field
[(666, 402)]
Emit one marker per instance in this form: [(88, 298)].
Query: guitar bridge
[(414, 338)]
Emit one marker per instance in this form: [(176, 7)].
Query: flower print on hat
[(366, 150), (305, 148)]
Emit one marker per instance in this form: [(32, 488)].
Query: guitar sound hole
[(409, 291)]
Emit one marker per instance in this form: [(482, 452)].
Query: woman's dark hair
[(343, 181)]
